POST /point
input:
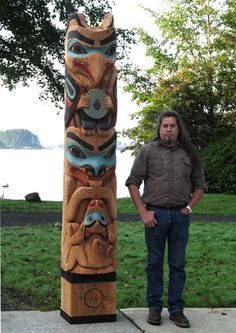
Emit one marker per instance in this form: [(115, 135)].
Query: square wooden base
[(88, 302), (88, 319)]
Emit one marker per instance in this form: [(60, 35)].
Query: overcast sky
[(21, 108)]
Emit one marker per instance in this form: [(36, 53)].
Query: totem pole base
[(88, 298)]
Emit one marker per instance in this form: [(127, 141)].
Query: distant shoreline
[(47, 147), (22, 148)]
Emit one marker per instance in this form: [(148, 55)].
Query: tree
[(229, 34), (32, 41), (219, 164), (193, 71)]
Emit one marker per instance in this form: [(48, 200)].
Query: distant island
[(25, 139), (19, 139)]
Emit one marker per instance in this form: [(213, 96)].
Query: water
[(41, 171)]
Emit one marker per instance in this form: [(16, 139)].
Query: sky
[(21, 108)]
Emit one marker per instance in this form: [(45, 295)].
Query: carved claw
[(79, 195), (83, 102), (112, 229), (76, 233), (107, 102)]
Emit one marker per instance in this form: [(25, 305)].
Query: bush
[(219, 164)]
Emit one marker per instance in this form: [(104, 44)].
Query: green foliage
[(32, 41), (19, 138), (219, 163), (193, 71), (229, 35)]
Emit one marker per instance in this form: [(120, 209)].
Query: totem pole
[(88, 245)]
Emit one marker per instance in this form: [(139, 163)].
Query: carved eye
[(76, 151), (111, 50), (77, 48), (110, 153)]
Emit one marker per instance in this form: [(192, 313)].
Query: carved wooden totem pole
[(88, 246)]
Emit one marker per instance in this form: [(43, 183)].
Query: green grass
[(218, 204), (211, 204), (31, 258), (8, 205), (31, 266)]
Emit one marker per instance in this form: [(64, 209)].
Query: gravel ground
[(10, 219)]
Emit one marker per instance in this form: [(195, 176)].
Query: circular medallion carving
[(96, 109), (93, 298)]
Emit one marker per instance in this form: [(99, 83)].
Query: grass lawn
[(31, 266), (217, 204)]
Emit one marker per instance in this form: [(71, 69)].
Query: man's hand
[(185, 211), (148, 218), (146, 215)]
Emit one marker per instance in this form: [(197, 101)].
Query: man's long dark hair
[(183, 137)]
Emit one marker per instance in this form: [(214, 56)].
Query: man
[(171, 170)]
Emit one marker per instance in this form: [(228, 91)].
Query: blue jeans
[(172, 226)]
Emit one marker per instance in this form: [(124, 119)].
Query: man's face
[(169, 130)]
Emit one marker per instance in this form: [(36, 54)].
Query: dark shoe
[(154, 316), (180, 319)]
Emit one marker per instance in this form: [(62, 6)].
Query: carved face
[(96, 218), (90, 52), (88, 159)]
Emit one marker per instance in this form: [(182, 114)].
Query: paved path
[(9, 219), (202, 320)]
